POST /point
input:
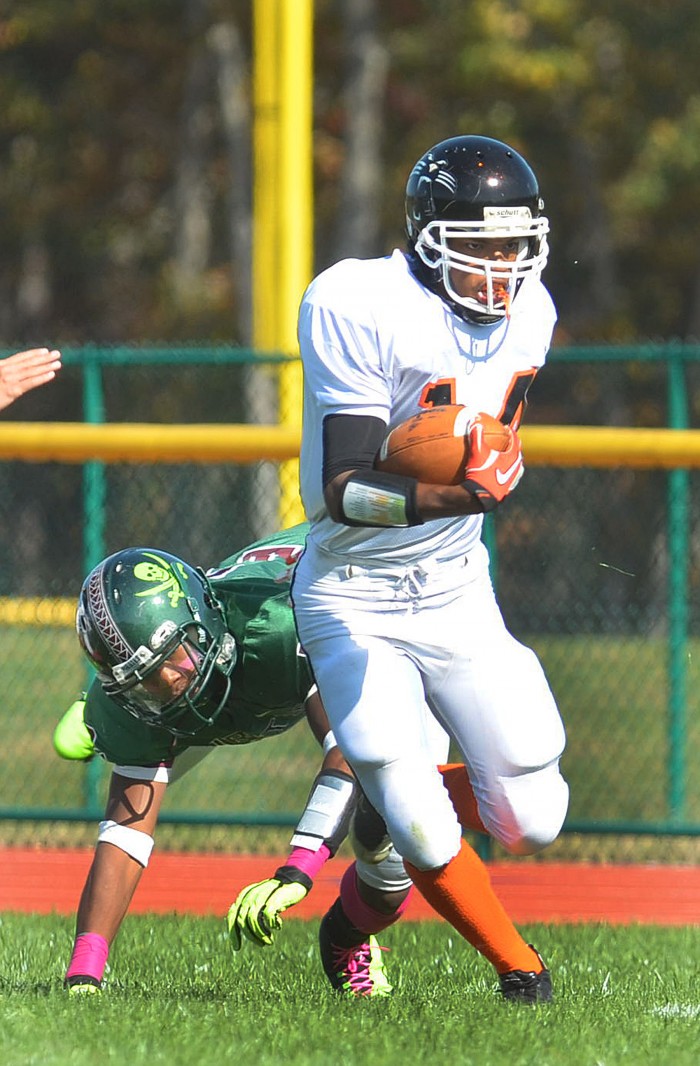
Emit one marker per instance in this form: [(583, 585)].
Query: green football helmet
[(155, 632)]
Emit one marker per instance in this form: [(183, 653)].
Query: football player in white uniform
[(392, 597)]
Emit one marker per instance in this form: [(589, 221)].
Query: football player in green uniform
[(187, 661)]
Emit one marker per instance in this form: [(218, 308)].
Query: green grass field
[(177, 995)]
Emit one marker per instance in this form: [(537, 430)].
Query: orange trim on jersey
[(439, 393), (515, 399)]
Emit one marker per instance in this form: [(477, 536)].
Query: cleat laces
[(361, 969)]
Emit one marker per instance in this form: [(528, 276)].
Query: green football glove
[(71, 738), (257, 912)]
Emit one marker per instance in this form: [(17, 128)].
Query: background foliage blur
[(125, 213), (125, 153)]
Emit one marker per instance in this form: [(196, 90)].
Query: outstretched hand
[(257, 911), (24, 371)]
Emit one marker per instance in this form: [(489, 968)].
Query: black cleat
[(526, 986)]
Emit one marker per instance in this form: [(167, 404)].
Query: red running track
[(37, 880)]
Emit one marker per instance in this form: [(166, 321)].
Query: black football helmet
[(479, 188), (157, 636)]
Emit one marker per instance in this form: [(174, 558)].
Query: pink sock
[(362, 916), (89, 956), (309, 862)]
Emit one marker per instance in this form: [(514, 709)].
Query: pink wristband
[(89, 956), (309, 862)]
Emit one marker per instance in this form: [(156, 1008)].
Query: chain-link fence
[(596, 569)]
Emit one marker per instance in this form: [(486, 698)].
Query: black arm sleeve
[(350, 442)]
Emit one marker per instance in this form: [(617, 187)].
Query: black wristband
[(291, 875), (486, 501)]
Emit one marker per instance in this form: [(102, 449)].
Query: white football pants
[(384, 642)]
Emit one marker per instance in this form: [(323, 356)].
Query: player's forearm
[(108, 891), (392, 493), (123, 851), (445, 501), (257, 911), (124, 846), (105, 899), (357, 498)]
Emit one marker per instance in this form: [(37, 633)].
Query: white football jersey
[(374, 341)]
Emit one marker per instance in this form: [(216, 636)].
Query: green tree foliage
[(601, 96), (90, 124)]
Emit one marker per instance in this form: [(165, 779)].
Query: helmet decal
[(443, 177), (163, 574), (99, 610)]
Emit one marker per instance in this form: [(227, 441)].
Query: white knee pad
[(389, 875)]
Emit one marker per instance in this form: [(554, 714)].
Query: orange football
[(432, 445)]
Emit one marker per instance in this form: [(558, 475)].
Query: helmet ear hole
[(162, 634)]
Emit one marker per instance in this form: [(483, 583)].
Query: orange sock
[(463, 799), (461, 892)]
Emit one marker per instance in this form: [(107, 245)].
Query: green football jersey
[(271, 679)]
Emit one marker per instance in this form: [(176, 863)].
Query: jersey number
[(439, 393)]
